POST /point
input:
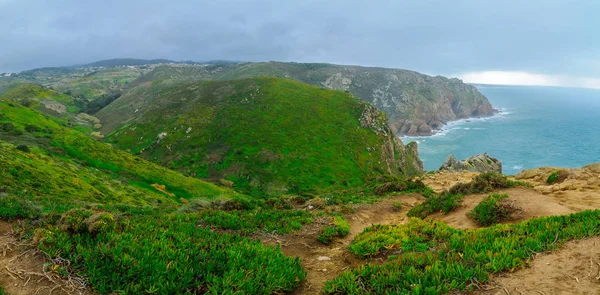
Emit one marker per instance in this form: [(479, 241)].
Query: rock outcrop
[(477, 163)]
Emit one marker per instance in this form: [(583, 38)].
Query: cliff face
[(415, 104)]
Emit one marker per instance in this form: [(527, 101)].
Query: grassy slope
[(421, 95), (264, 134), (86, 160), (133, 239)]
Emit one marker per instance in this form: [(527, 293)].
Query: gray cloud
[(437, 37)]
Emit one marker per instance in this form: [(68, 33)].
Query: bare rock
[(477, 163)]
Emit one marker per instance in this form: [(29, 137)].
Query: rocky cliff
[(416, 104)]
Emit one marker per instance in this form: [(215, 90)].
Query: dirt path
[(325, 262), (22, 269)]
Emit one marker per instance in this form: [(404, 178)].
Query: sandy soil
[(575, 269), (22, 269)]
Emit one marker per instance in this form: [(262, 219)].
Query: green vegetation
[(143, 253), (491, 210), (12, 207), (121, 220), (266, 135), (433, 258), (449, 200), (557, 177), (483, 183), (339, 228), (2, 292), (445, 203)]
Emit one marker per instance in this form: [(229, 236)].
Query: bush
[(482, 183), (445, 202), (492, 209), (73, 221), (340, 228), (100, 223), (24, 148), (557, 177), (399, 185), (2, 292), (12, 207)]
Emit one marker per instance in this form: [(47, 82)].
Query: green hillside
[(265, 134), (119, 219), (415, 103)]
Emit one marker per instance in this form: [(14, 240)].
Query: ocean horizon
[(537, 126)]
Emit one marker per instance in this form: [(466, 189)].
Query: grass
[(338, 228), (433, 258), (66, 165), (493, 209), (557, 177), (267, 135)]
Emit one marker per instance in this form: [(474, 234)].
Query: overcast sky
[(549, 42)]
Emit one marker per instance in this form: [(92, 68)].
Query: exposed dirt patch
[(574, 269), (530, 202), (325, 262), (22, 269), (441, 181)]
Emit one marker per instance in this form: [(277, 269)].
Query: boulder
[(477, 163)]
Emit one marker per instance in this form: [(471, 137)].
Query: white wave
[(517, 167)]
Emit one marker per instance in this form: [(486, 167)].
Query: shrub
[(12, 207), (100, 223), (485, 182), (557, 177), (73, 221), (24, 148), (339, 228), (445, 202), (399, 185), (492, 209), (2, 292)]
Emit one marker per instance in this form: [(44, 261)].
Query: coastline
[(451, 125)]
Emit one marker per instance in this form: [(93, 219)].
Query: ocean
[(538, 126)]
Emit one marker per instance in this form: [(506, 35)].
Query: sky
[(549, 42)]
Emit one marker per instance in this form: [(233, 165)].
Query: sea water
[(537, 126)]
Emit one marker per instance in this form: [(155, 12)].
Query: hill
[(265, 134), (416, 104), (116, 219)]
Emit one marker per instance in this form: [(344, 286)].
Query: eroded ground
[(22, 270)]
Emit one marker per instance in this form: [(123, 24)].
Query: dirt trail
[(325, 262), (22, 269)]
